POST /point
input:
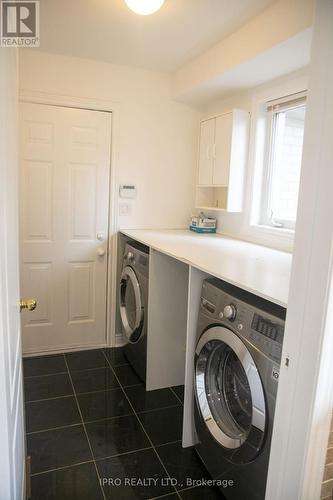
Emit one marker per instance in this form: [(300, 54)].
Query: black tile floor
[(93, 432)]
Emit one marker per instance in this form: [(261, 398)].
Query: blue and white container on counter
[(203, 224)]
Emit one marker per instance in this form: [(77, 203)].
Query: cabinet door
[(222, 149), (206, 153)]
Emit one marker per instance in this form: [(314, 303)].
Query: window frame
[(264, 218), (251, 228)]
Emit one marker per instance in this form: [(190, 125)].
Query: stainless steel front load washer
[(133, 303), (237, 363)]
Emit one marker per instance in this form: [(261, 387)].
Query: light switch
[(125, 209)]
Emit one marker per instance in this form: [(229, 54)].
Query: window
[(283, 159)]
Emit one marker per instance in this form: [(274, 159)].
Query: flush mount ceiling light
[(144, 7)]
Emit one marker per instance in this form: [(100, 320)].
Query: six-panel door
[(64, 195)]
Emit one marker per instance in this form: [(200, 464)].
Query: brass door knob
[(29, 304)]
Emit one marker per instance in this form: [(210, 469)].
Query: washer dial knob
[(230, 312), (129, 256)]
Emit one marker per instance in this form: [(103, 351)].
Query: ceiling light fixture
[(144, 7)]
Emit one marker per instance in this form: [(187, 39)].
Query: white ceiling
[(108, 31)]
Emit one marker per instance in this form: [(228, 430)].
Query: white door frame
[(304, 402), (12, 434), (110, 107)]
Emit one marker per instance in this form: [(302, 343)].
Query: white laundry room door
[(64, 204)]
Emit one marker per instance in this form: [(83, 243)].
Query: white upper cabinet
[(222, 161), (207, 137), (222, 149)]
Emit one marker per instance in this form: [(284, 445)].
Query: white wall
[(155, 137), (236, 224)]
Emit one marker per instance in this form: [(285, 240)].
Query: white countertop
[(255, 268)]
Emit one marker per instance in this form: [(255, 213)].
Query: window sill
[(278, 238), (282, 231)]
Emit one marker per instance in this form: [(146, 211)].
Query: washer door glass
[(229, 392), (131, 307)]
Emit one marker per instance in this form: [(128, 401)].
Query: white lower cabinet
[(167, 321), (174, 301)]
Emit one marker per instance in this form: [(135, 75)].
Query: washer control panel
[(267, 327), (260, 327), (137, 258)]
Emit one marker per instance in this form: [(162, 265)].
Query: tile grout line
[(178, 491), (101, 458), (104, 420), (96, 459), (61, 468), (92, 369), (55, 469), (174, 392), (161, 498), (132, 451), (31, 433), (142, 426), (82, 394), (28, 377), (49, 399), (66, 373), (84, 427), (143, 412), (190, 488), (178, 441), (98, 392), (122, 454), (68, 395)]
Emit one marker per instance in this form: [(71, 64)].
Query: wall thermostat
[(127, 191)]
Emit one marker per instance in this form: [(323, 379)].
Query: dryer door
[(230, 394), (131, 305)]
